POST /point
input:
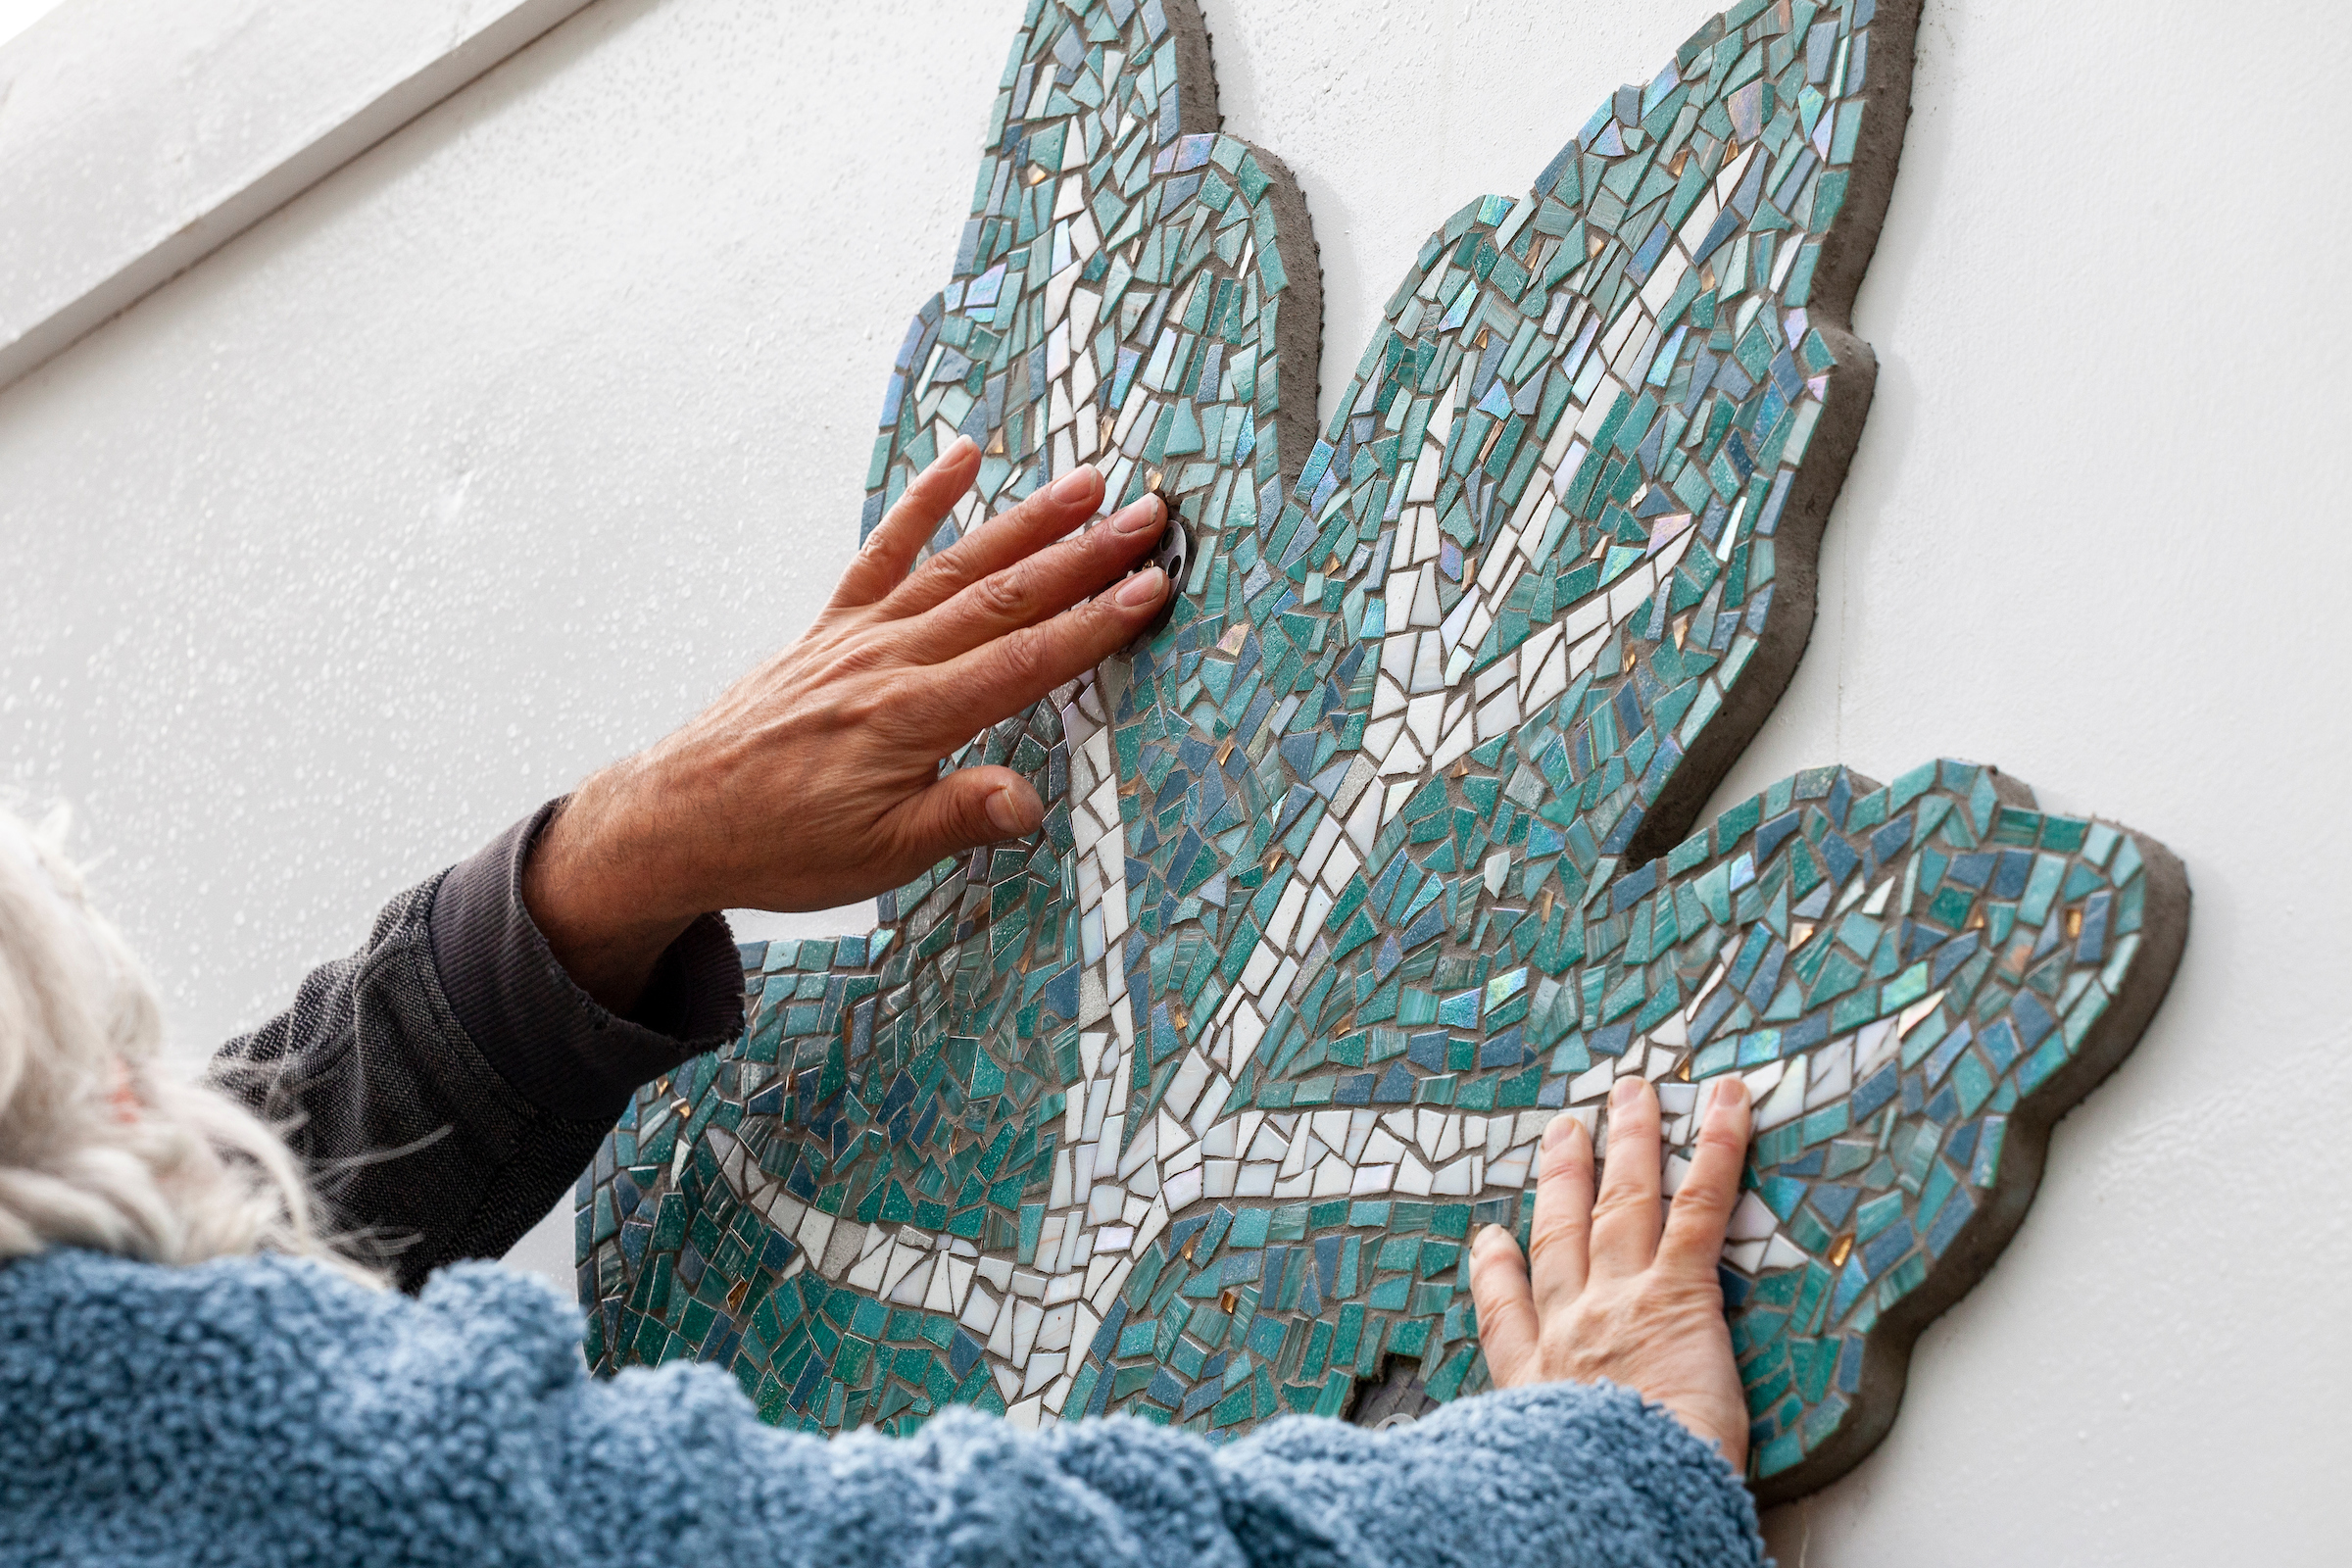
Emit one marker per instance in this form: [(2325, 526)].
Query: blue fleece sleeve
[(1535, 1477), (1560, 1473), (265, 1411), (674, 1459)]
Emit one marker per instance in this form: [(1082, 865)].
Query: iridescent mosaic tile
[(1379, 856)]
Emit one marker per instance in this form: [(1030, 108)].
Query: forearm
[(447, 1082)]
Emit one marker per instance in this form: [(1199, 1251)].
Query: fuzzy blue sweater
[(264, 1410)]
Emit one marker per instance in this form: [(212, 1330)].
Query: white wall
[(17, 15), (496, 452)]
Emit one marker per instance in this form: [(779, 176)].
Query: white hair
[(102, 1144)]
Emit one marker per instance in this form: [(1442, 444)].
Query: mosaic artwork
[(1381, 853)]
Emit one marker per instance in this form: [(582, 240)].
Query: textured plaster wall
[(500, 451)]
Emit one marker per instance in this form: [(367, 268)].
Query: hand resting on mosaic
[(1604, 1291), (815, 781)]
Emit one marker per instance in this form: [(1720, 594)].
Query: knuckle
[(1575, 1351), (915, 591), (1672, 1293), (1721, 1138), (1702, 1192), (899, 706), (1629, 1132), (1570, 1158), (1539, 1249), (1555, 1230), (859, 710), (946, 571), (1097, 621), (856, 657), (968, 816), (1005, 596), (1022, 658), (1618, 1201), (896, 522)]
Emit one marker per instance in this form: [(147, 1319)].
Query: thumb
[(970, 808)]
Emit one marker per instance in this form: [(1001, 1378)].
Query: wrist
[(599, 897)]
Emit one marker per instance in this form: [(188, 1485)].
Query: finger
[(1038, 586), (1560, 1238), (1703, 1204), (906, 527), (1003, 677), (968, 807), (1005, 538), (1625, 1222), (1508, 1325)]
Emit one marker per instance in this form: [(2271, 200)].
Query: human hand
[(1612, 1295), (815, 781)]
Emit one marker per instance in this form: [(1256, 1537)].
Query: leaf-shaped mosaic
[(1379, 856)]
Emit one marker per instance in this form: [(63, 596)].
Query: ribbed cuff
[(552, 1042)]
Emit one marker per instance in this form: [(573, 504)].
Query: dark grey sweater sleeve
[(447, 1082)]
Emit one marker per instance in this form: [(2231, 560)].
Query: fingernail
[(1135, 517), (1626, 1090), (1072, 487), (954, 449), (1143, 588), (1005, 815), (1557, 1129)]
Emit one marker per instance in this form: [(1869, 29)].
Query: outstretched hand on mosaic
[(1615, 1286), (817, 774), (1374, 860)]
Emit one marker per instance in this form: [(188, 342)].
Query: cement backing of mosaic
[(1373, 860)]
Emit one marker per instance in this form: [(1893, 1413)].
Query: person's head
[(103, 1146)]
